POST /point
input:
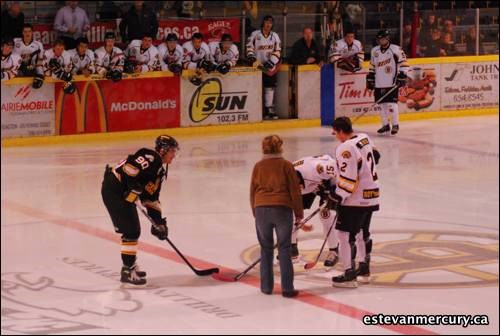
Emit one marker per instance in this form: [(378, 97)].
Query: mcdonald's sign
[(132, 104)]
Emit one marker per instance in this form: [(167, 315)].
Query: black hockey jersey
[(141, 175)]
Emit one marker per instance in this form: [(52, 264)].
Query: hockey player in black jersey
[(137, 178)]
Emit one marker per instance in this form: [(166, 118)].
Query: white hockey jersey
[(192, 56), (357, 181), (80, 63), (340, 49), (105, 61), (264, 48), (218, 56), (10, 66), (31, 54), (64, 62), (168, 57), (315, 170), (386, 64), (148, 59)]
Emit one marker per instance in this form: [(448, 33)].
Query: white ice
[(436, 238)]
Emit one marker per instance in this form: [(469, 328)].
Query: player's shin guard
[(361, 247), (384, 115), (129, 251), (347, 251), (269, 103), (393, 111)]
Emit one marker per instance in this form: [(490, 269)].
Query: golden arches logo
[(81, 107), (209, 90)]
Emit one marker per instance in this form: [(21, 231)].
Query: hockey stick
[(310, 265), (198, 272), (240, 275), (376, 103)]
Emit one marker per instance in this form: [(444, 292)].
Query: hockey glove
[(251, 60), (175, 68), (54, 64), (160, 230), (223, 68), (115, 75), (269, 65), (69, 87), (208, 66), (37, 81), (401, 79), (333, 201), (370, 81)]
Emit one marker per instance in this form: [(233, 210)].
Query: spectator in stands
[(406, 38), (108, 11), (139, 20), (449, 29), (187, 9), (305, 50), (448, 46), (425, 35), (71, 22), (470, 42), (434, 47), (12, 21)]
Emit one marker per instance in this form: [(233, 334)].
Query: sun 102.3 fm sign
[(222, 99)]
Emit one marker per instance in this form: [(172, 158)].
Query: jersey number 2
[(371, 161)]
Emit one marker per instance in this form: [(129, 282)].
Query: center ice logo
[(415, 259), (209, 99)]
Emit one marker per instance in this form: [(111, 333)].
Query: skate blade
[(132, 286), (363, 279), (348, 284)]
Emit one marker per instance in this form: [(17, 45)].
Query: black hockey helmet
[(383, 33), (165, 142), (171, 37)]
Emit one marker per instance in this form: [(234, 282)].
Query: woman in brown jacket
[(275, 197)]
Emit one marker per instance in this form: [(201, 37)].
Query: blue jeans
[(280, 218)]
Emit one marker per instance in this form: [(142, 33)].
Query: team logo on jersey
[(320, 169), (209, 99), (346, 154), (415, 259)]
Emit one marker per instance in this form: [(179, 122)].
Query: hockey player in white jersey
[(355, 198), (82, 58), (264, 46), (142, 56), (388, 68), (57, 64), (197, 57), (10, 60), (224, 53), (31, 53), (109, 59), (347, 53), (171, 54), (317, 175)]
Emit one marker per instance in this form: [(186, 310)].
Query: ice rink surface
[(435, 252)]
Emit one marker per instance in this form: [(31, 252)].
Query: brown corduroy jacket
[(274, 182)]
